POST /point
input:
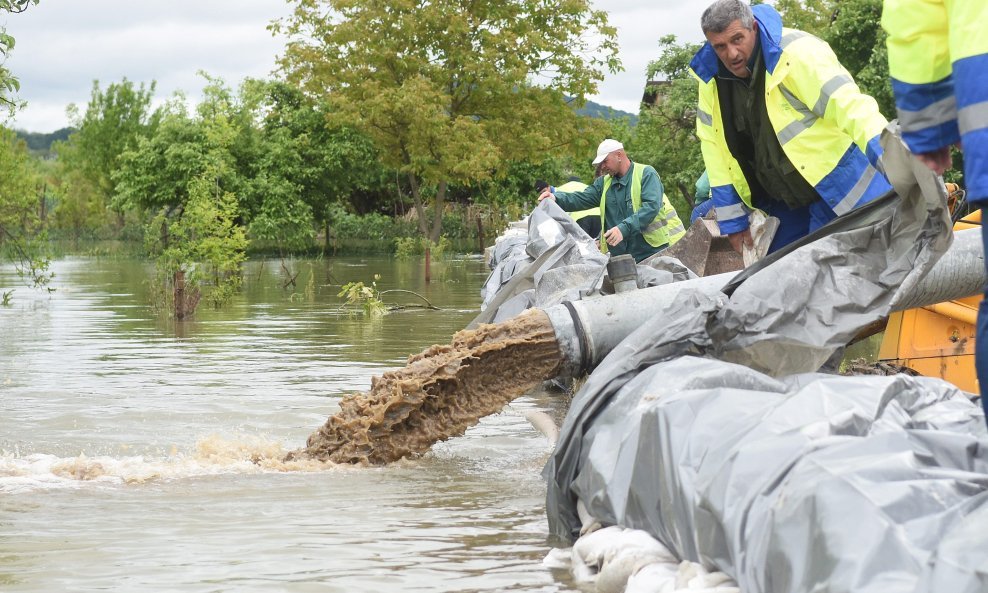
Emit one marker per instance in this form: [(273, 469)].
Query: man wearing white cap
[(637, 217)]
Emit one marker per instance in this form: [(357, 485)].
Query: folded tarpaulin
[(709, 427), (554, 261)]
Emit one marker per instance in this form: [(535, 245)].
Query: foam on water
[(212, 455)]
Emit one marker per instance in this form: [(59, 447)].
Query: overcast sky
[(63, 45)]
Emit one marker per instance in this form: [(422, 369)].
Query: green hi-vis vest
[(666, 228)]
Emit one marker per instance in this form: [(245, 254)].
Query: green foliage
[(9, 85), (21, 228), (204, 242), (156, 173), (5, 298), (857, 37), (666, 133), (443, 88), (363, 298), (114, 122), (19, 220), (196, 230), (326, 164), (812, 16), (406, 247)]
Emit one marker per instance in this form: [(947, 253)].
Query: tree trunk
[(437, 221), (325, 241), (480, 234), (428, 264), (419, 207), (42, 205), (178, 279)]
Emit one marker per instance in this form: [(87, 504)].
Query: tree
[(155, 174), (303, 166), (9, 85), (18, 181), (113, 123), (811, 16), (447, 88), (856, 36), (183, 178), (20, 221), (666, 133)]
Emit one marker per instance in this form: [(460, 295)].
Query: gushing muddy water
[(440, 393)]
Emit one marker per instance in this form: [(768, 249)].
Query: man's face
[(610, 164), (734, 46)]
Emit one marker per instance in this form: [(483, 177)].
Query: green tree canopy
[(446, 88), (114, 121), (9, 85), (666, 133)]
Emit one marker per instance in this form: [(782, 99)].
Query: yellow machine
[(938, 340)]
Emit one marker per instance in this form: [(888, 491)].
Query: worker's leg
[(794, 223)]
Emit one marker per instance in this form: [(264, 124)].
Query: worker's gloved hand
[(740, 239)]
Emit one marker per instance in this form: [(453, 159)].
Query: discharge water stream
[(440, 393)]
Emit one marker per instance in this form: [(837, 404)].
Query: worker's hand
[(613, 236), (547, 195), (740, 239), (938, 160)]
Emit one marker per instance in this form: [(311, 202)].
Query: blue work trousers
[(981, 339), (795, 223)]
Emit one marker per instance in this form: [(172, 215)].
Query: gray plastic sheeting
[(710, 428), (552, 262)]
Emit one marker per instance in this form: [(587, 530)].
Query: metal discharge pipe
[(588, 330)]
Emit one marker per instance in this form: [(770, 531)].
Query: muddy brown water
[(439, 393), (142, 455)]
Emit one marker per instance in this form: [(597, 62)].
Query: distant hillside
[(41, 143), (604, 112)]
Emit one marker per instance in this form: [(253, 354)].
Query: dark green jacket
[(619, 212)]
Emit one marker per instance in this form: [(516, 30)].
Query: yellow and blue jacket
[(826, 126), (938, 60)]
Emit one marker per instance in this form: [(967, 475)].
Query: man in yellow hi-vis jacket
[(938, 60), (783, 127)]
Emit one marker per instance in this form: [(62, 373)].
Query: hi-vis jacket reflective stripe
[(826, 126), (938, 59), (665, 228)]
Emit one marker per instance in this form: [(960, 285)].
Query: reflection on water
[(139, 454)]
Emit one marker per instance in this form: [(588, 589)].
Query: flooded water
[(140, 454)]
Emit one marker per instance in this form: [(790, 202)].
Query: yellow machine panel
[(937, 341)]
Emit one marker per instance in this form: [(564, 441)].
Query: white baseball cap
[(607, 147)]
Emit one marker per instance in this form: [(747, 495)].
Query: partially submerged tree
[(182, 178), (20, 209), (452, 90), (18, 180)]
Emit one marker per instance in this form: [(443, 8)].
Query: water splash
[(212, 455)]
